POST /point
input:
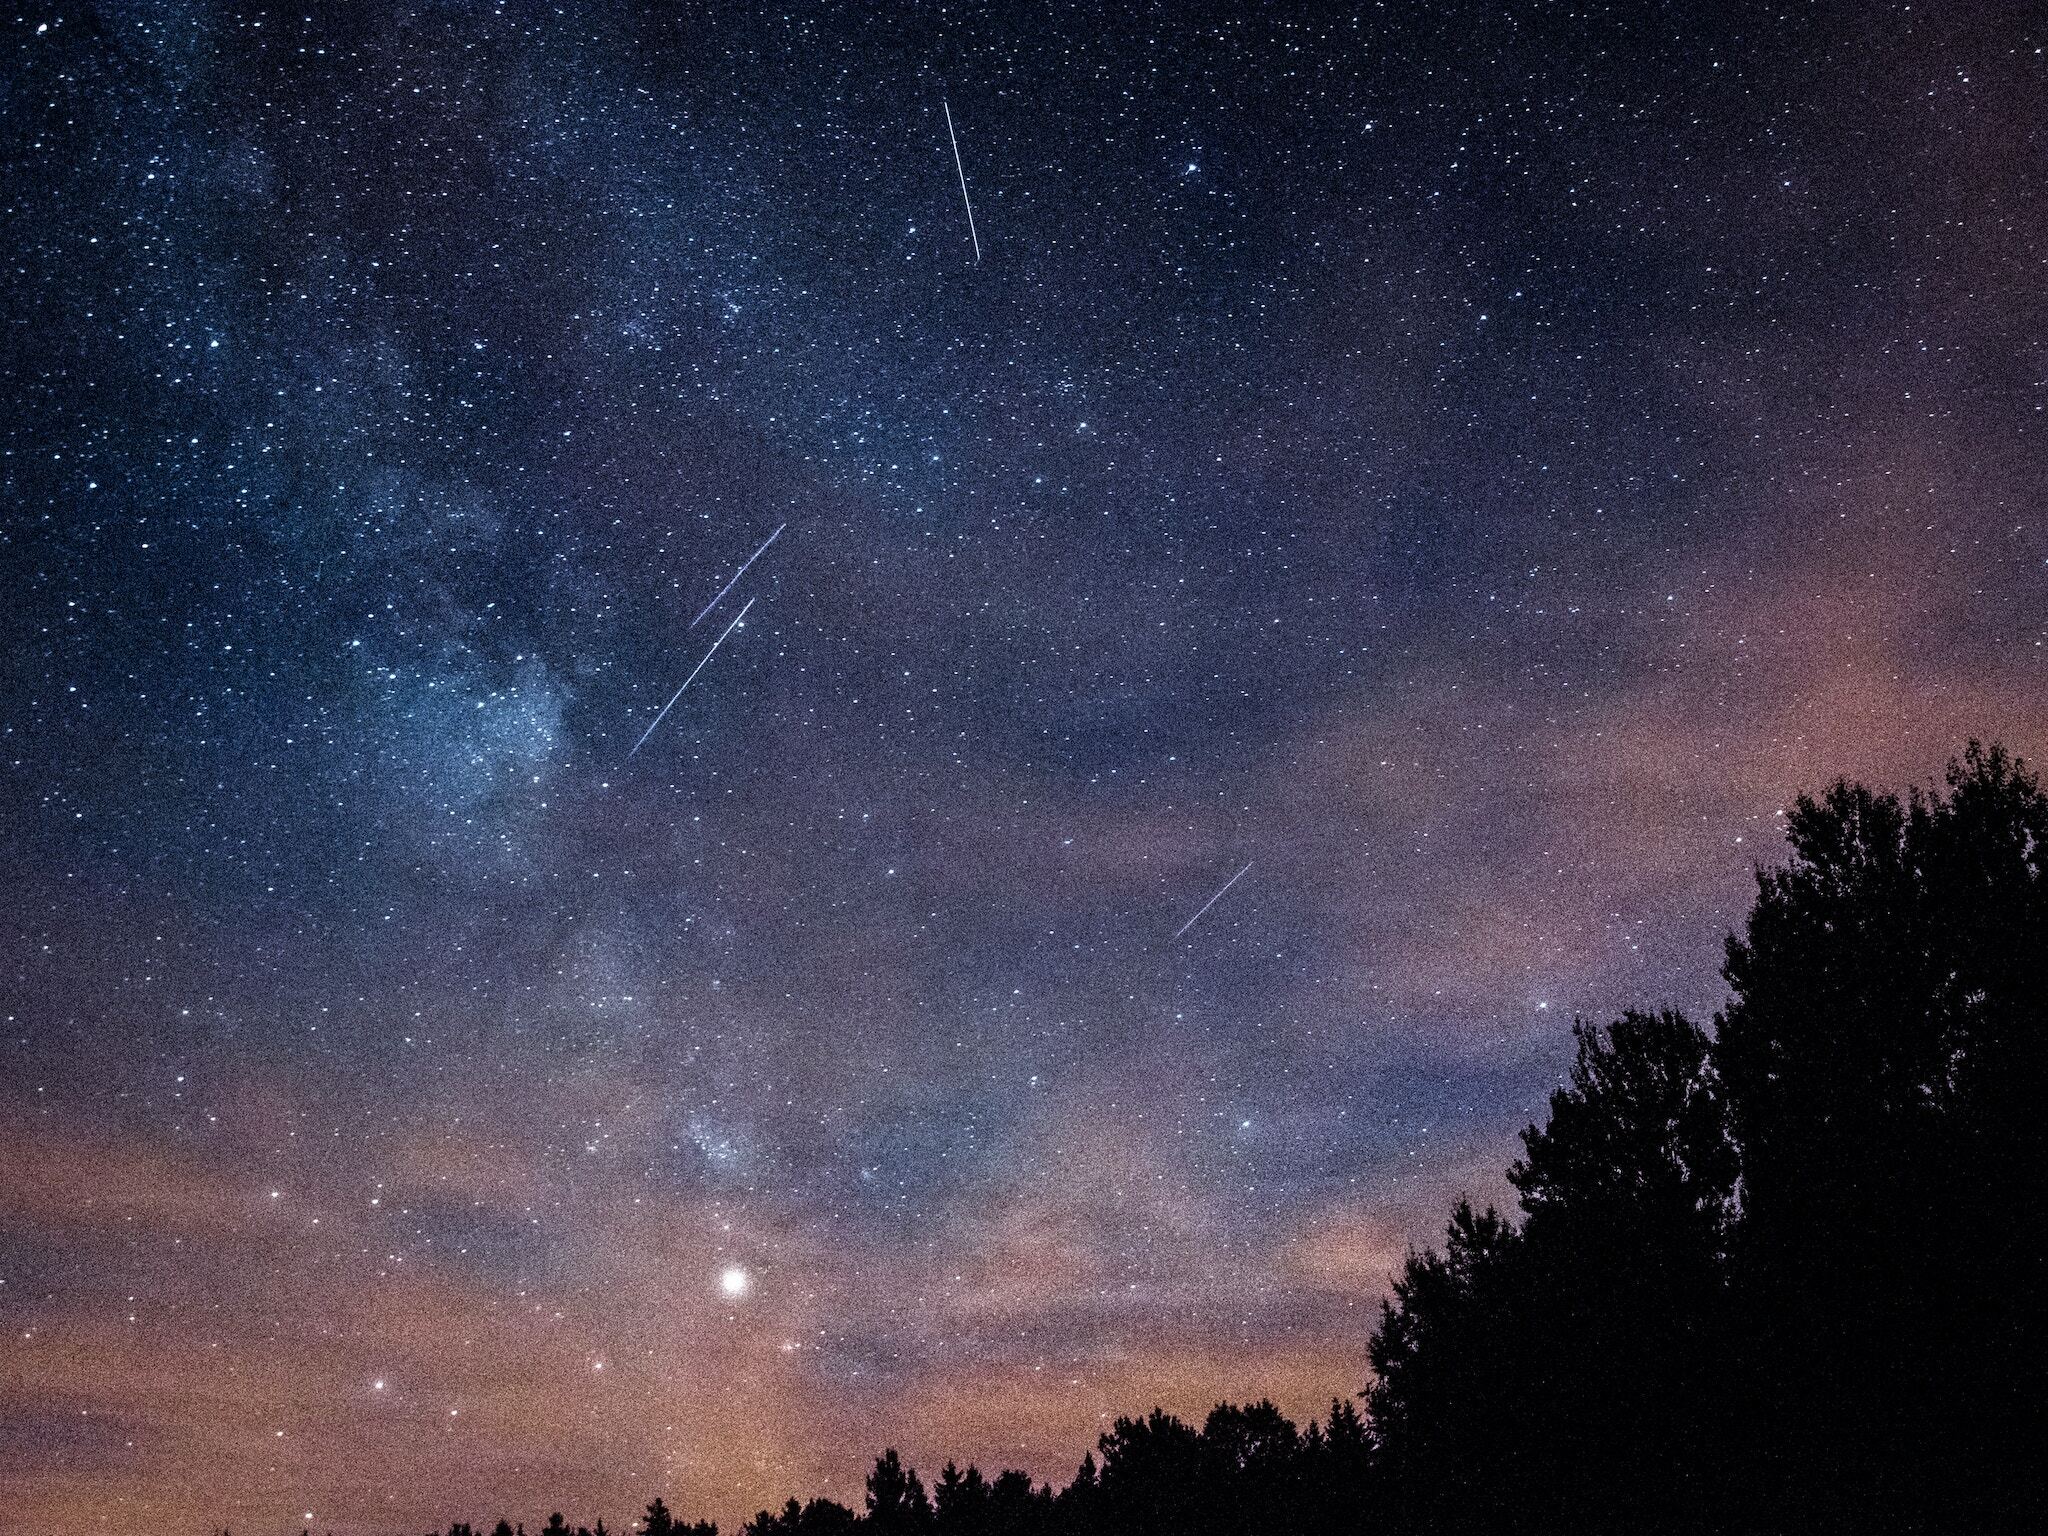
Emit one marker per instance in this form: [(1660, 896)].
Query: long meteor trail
[(671, 704), (1184, 927), (963, 179), (736, 575)]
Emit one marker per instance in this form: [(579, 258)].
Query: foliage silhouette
[(1773, 1279), (1882, 1056)]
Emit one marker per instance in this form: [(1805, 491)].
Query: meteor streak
[(1184, 927), (963, 179), (671, 704), (736, 575)]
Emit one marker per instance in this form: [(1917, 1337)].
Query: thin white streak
[(1184, 927), (736, 575), (962, 169), (671, 704)]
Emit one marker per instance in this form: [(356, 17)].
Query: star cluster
[(1471, 465)]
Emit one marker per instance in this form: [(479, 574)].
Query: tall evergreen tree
[(897, 1504)]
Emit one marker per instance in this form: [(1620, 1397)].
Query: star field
[(1472, 465)]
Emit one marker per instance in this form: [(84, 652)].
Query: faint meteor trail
[(671, 704), (736, 575), (947, 108), (1184, 927)]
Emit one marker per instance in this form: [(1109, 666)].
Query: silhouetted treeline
[(1786, 1274), (1780, 1275)]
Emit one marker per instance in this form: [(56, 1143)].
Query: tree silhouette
[(1771, 1279), (1151, 1476), (1251, 1468), (1015, 1508), (1887, 1028), (1447, 1439), (818, 1517), (1628, 1193), (1335, 1467), (960, 1502), (897, 1505), (659, 1520)]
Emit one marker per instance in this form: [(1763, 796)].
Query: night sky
[(1472, 466)]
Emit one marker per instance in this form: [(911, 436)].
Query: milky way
[(1475, 466)]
